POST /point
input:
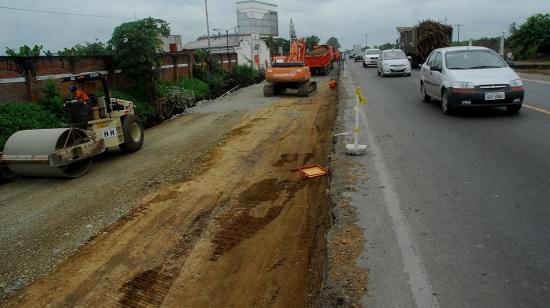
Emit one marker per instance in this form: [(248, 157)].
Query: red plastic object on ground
[(311, 171)]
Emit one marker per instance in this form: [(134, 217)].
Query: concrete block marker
[(357, 149)]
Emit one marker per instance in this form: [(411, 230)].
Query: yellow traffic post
[(356, 148)]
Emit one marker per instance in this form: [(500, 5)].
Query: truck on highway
[(419, 41), (357, 50), (320, 59)]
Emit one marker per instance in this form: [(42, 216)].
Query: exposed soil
[(345, 280), (243, 232)]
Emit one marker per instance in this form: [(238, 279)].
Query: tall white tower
[(257, 17)]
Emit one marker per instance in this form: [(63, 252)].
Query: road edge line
[(419, 281)]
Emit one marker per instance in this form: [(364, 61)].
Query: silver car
[(371, 57), (462, 77), (393, 62)]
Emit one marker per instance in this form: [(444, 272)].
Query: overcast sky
[(348, 20)]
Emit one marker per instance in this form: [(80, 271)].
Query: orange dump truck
[(320, 59)]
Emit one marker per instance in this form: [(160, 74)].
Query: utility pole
[(366, 41), (501, 49), (227, 43), (458, 28), (207, 24)]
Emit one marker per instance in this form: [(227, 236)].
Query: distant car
[(351, 55), (358, 58), (470, 77), (370, 57), (393, 62)]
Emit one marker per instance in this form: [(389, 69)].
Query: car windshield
[(473, 59), (373, 52), (394, 54)]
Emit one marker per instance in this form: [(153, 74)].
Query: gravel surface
[(44, 221)]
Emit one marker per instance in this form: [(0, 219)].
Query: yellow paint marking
[(537, 109)]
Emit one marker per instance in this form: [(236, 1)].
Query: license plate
[(109, 132), (493, 96)]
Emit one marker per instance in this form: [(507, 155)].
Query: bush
[(52, 100), (245, 75), (145, 111), (19, 116), (199, 87), (175, 99)]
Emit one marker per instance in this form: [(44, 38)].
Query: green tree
[(96, 48), (25, 51), (311, 41), (274, 43), (292, 31), (332, 41), (531, 37), (135, 46), (385, 46), (52, 100)]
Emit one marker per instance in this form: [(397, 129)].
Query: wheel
[(514, 109), (445, 105), (425, 97), (269, 90), (132, 130)]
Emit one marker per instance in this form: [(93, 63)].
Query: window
[(430, 60), (394, 54), (437, 60), (473, 59)]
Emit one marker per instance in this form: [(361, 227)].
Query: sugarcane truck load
[(95, 122)]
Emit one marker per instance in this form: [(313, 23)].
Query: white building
[(248, 47), (257, 17), (171, 43)]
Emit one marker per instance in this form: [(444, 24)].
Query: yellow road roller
[(95, 125)]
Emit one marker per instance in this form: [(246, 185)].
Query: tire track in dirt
[(245, 232)]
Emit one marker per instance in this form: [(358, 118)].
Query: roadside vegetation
[(46, 113), (136, 49)]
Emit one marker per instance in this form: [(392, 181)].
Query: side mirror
[(435, 68)]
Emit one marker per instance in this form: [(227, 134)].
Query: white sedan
[(393, 62)]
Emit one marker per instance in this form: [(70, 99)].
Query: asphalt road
[(456, 209)]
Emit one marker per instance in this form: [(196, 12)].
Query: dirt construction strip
[(245, 232)]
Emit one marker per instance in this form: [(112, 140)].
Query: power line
[(61, 13), (92, 15)]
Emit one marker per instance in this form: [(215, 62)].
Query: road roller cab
[(93, 126)]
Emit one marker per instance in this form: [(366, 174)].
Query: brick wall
[(21, 78)]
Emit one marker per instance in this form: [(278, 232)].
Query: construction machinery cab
[(97, 88)]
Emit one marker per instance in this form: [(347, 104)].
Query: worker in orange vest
[(79, 94)]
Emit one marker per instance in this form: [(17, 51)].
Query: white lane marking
[(419, 282)]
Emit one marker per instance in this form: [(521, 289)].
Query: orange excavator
[(290, 72)]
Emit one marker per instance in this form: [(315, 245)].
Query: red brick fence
[(21, 78)]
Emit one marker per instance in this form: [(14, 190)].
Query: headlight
[(463, 85), (516, 83)]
